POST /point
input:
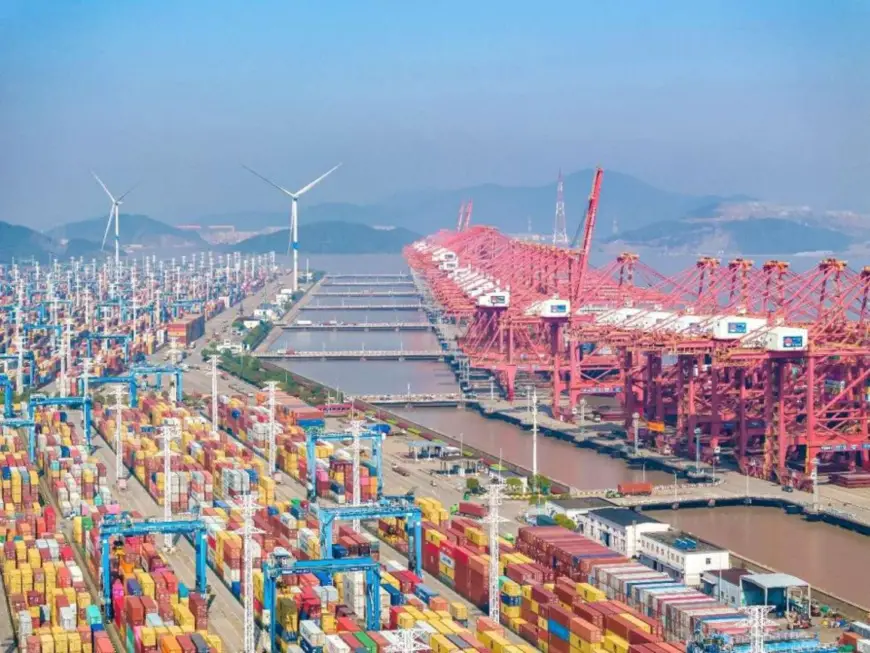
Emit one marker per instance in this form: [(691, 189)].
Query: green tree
[(472, 484), (514, 485)]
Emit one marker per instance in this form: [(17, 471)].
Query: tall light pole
[(247, 531), (214, 394), (120, 477), (635, 427), (495, 492), (356, 429), (170, 431), (534, 400), (270, 386)]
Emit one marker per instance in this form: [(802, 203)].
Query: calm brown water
[(579, 468), (825, 556)]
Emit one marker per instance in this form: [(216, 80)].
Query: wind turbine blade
[(108, 224), (305, 189), (268, 181), (100, 182), (130, 190)]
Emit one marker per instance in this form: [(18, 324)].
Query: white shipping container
[(735, 327), (863, 646), (335, 644), (311, 633), (786, 339)]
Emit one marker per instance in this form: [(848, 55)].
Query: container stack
[(49, 603), (187, 329), (151, 607), (205, 466)]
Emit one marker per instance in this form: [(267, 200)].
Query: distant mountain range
[(139, 230), (18, 242), (625, 200), (750, 228), (631, 214), (331, 238)]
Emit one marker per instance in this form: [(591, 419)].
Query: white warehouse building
[(682, 556), (619, 528)]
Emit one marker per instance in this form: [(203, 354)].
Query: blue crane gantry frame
[(8, 395), (58, 329), (311, 438), (84, 403), (411, 514), (125, 339), (159, 371), (286, 566), (122, 307), (30, 425), (27, 355), (124, 526), (109, 380)]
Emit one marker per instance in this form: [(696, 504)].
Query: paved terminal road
[(225, 615), (7, 633)]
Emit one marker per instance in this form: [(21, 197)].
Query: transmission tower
[(248, 507), (560, 229), (495, 492), (170, 431)]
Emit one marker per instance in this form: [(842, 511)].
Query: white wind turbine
[(113, 214), (294, 215)]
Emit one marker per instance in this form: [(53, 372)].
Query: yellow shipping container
[(459, 611), (498, 644), (615, 644), (644, 626), (440, 644), (406, 620), (591, 594)]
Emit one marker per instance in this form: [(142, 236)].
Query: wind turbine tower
[(294, 214), (113, 214)]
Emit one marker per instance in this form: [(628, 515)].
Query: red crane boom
[(588, 224)]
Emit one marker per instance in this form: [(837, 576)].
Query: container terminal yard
[(152, 500)]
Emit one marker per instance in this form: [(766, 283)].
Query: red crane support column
[(715, 418), (555, 352), (769, 435), (742, 432), (693, 439), (782, 440), (812, 445)]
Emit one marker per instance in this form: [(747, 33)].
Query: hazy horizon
[(766, 99)]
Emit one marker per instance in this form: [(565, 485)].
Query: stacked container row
[(48, 600)]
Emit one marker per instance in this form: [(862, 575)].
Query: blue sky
[(770, 98)]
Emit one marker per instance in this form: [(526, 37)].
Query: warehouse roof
[(731, 576), (683, 541), (581, 503), (774, 581), (624, 516)]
